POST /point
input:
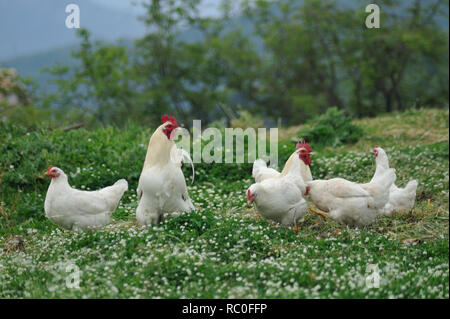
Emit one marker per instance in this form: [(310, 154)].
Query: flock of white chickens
[(280, 197)]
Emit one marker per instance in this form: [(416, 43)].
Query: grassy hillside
[(224, 249)]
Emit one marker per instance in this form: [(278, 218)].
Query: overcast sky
[(37, 26)]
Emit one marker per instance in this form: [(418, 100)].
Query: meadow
[(224, 249)]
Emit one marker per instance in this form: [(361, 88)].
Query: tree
[(284, 59), (99, 87)]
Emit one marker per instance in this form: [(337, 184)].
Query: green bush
[(334, 128)]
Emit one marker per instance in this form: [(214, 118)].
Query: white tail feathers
[(178, 155), (259, 163), (411, 186), (114, 193), (187, 156), (123, 184)]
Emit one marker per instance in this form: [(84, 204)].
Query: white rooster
[(162, 187), (261, 172), (281, 198), (74, 209), (400, 199), (351, 203)]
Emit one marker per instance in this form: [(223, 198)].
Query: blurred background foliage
[(333, 128), (274, 62)]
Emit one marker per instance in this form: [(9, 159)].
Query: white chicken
[(351, 203), (261, 172), (162, 188), (400, 199), (74, 209), (281, 198)]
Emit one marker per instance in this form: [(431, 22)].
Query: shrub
[(247, 119), (333, 128)]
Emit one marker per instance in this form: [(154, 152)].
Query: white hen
[(351, 203), (281, 198), (73, 209), (261, 172), (162, 188), (400, 199)]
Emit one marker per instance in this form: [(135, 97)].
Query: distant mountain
[(33, 65), (31, 27)]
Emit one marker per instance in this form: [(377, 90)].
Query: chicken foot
[(319, 212)]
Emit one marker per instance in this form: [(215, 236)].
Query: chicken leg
[(319, 212)]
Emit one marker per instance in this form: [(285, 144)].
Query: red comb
[(305, 145), (50, 167), (168, 118)]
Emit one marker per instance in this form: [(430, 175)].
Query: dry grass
[(423, 126)]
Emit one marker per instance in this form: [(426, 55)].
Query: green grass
[(224, 249)]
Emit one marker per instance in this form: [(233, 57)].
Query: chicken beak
[(46, 173), (250, 198)]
